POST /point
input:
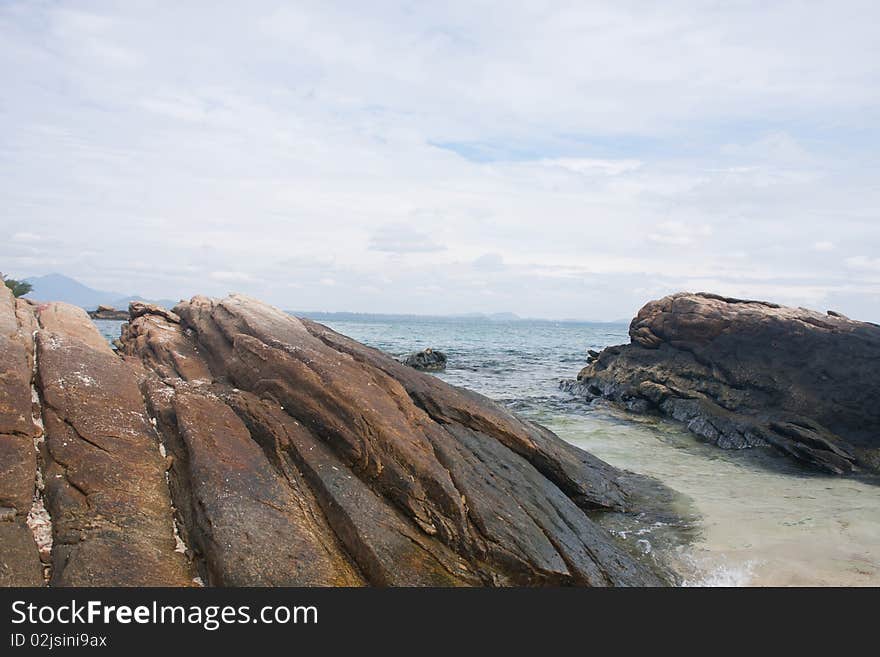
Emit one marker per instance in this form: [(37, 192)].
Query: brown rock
[(73, 322), (745, 373), (436, 455), (19, 558), (153, 335), (250, 525), (105, 480), (390, 550)]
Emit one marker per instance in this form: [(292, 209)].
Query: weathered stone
[(19, 557), (108, 312), (293, 456), (590, 482), (751, 373), (73, 322), (153, 335), (251, 527), (387, 548), (140, 308), (105, 480), (428, 360), (417, 444)]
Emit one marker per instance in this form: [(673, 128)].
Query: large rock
[(19, 556), (108, 312), (350, 467), (106, 492), (428, 360), (229, 443), (751, 373)]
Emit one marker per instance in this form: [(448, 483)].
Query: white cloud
[(677, 233), (23, 236), (542, 159), (230, 276), (587, 166), (864, 262), (400, 238)]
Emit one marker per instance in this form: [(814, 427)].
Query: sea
[(741, 517)]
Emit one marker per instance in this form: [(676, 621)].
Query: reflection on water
[(742, 517)]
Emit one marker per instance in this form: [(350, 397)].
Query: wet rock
[(743, 373), (428, 360)]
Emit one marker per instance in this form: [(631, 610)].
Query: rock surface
[(108, 312), (230, 443), (750, 373), (19, 556), (376, 473), (428, 360), (111, 510)]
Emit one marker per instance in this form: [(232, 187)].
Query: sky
[(552, 159)]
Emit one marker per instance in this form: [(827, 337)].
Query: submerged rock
[(750, 373), (428, 360)]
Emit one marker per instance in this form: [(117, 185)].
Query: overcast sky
[(552, 159)]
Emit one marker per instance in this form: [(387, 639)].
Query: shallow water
[(747, 517)]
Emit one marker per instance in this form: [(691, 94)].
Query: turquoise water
[(750, 517)]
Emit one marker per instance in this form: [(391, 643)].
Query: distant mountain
[(57, 287)]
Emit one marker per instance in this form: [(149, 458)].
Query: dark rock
[(428, 360), (751, 373), (108, 312)]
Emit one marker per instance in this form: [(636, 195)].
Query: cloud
[(491, 151), (489, 262), (400, 238), (864, 263), (587, 166), (24, 236), (230, 276), (677, 233)]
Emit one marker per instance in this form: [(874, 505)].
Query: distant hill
[(58, 287)]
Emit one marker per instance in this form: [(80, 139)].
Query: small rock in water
[(428, 360)]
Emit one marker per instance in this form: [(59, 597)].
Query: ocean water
[(742, 518)]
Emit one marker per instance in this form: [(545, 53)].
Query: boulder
[(743, 373), (108, 312), (229, 443), (19, 555), (399, 478), (428, 360), (112, 520)]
